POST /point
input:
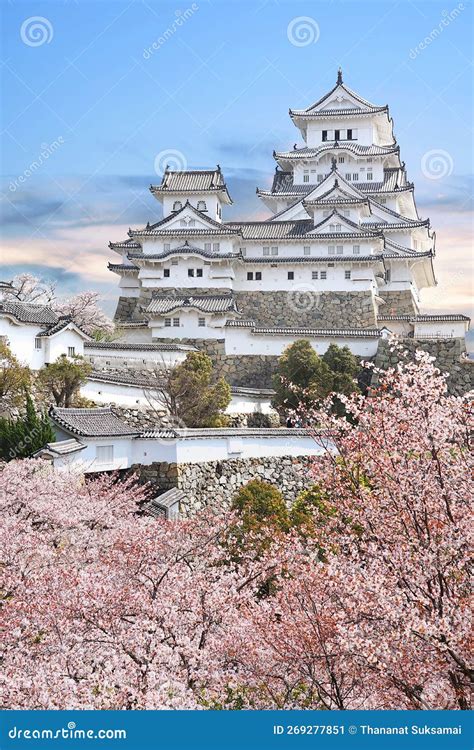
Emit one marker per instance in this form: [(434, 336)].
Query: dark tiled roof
[(192, 181), (163, 304), (253, 392), (25, 312), (157, 230), (125, 245), (207, 432), (274, 230), (122, 267), (425, 318), (354, 148), (364, 105), (394, 181), (185, 249), (318, 258), (62, 323), (241, 323), (160, 506), (62, 447), (111, 346), (320, 332), (100, 422)]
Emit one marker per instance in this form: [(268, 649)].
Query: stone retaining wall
[(398, 303), (304, 308), (214, 483), (448, 355), (127, 309)]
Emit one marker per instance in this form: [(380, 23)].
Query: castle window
[(258, 276), (370, 160), (201, 322), (216, 247), (325, 135), (338, 227), (347, 274), (307, 251), (249, 275), (348, 177), (356, 249), (349, 134), (167, 322), (177, 206), (190, 271), (274, 251), (174, 262), (37, 343), (340, 249), (320, 177), (201, 206), (324, 275), (306, 178), (207, 247), (71, 351), (291, 275), (315, 275), (104, 453), (166, 273), (166, 246), (355, 176), (199, 273), (337, 135), (341, 160), (175, 322), (266, 251), (388, 275), (370, 176), (331, 250)]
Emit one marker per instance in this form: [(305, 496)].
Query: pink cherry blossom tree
[(107, 607)]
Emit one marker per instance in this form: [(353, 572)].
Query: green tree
[(303, 368), (344, 367), (21, 437), (190, 393), (62, 379), (14, 378)]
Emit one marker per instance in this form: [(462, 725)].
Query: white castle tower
[(343, 257)]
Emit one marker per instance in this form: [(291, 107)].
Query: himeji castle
[(342, 258)]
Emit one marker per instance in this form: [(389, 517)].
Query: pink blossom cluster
[(105, 607)]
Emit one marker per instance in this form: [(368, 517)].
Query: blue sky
[(104, 106)]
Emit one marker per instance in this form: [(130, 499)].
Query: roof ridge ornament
[(333, 164), (339, 76)]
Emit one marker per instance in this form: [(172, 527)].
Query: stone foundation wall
[(398, 303), (214, 483), (309, 309), (127, 309), (449, 358)]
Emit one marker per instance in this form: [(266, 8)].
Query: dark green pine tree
[(21, 437)]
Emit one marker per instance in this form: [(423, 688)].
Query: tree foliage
[(109, 609), (22, 436), (14, 378), (62, 379), (303, 377), (190, 393)]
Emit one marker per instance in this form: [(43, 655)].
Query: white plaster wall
[(212, 202), (448, 329), (138, 358), (21, 340), (365, 130), (275, 278), (58, 345), (189, 325), (241, 341)]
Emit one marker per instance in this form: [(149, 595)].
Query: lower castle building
[(343, 257)]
